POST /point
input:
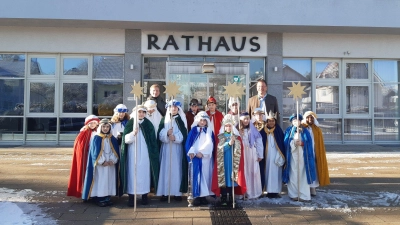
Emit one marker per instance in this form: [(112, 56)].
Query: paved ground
[(364, 190)]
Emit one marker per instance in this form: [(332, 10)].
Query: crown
[(271, 115), (228, 119)]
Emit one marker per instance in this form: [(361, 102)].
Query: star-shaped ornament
[(172, 89), (136, 89), (297, 90), (241, 90), (231, 90)]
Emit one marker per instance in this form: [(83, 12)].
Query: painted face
[(92, 125), (261, 88), (234, 108), (121, 115), (246, 121), (194, 108), (174, 110), (295, 122), (259, 117), (155, 92), (202, 123), (228, 128), (271, 123), (310, 120), (105, 128), (212, 106), (141, 114)]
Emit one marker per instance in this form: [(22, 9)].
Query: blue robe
[(94, 152), (308, 154), (196, 162)]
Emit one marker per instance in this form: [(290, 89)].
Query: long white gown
[(204, 145), (174, 179), (273, 173), (142, 164), (297, 175), (155, 119), (104, 176), (117, 128), (252, 166)]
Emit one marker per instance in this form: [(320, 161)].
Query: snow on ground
[(16, 207)]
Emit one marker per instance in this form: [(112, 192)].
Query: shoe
[(144, 200), (294, 199), (164, 198), (178, 198), (109, 203), (224, 200), (302, 200), (131, 201), (203, 201), (313, 192), (101, 204), (197, 202)]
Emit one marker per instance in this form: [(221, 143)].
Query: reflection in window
[(11, 129), (386, 71), (43, 66), (289, 104), (357, 100), (357, 130), (12, 65), (70, 127), (75, 97), (327, 99), (297, 70), (386, 99), (106, 95), (154, 67), (386, 130), (41, 97), (257, 68), (331, 129), (108, 67), (41, 129), (327, 70), (12, 103), (357, 70), (75, 66)]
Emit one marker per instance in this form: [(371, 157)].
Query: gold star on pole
[(136, 89), (241, 90), (172, 89), (231, 90), (297, 90)]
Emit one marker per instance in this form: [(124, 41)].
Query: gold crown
[(228, 119), (271, 115)]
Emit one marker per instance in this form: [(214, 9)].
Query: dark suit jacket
[(271, 104)]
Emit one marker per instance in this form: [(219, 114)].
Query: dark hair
[(263, 81)]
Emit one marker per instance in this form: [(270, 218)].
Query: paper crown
[(271, 115), (202, 115), (173, 102), (211, 99), (121, 108), (228, 119)]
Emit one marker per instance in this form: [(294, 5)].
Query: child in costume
[(80, 158), (199, 148), (119, 120), (101, 180)]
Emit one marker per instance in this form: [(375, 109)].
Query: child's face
[(295, 122), (105, 128), (212, 106), (141, 114), (121, 115), (246, 121), (202, 123), (271, 123), (174, 110), (92, 125), (228, 128), (234, 108), (194, 108)]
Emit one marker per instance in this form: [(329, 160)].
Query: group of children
[(230, 155)]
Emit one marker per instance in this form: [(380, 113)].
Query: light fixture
[(208, 68), (276, 69), (131, 66)]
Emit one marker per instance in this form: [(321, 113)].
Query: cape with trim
[(279, 138)]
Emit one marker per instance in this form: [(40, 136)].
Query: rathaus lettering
[(204, 42)]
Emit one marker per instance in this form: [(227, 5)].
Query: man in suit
[(263, 100)]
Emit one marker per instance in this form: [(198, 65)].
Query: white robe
[(297, 175), (252, 166), (273, 173), (142, 164), (117, 128), (315, 183), (173, 180), (104, 176), (155, 119), (204, 145)]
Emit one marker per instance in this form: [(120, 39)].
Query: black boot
[(131, 201), (224, 200), (197, 202), (203, 201), (230, 199), (144, 199)]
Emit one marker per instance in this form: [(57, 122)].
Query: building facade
[(62, 61)]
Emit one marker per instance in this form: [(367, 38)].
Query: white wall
[(64, 40), (334, 45)]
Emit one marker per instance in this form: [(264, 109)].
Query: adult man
[(299, 172), (263, 100), (321, 165), (155, 95), (192, 112), (153, 114), (216, 116), (273, 156), (147, 162)]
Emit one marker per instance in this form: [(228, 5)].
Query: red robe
[(217, 117), (79, 163), (241, 181)]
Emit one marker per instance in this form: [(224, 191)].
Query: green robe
[(149, 135), (183, 130)]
